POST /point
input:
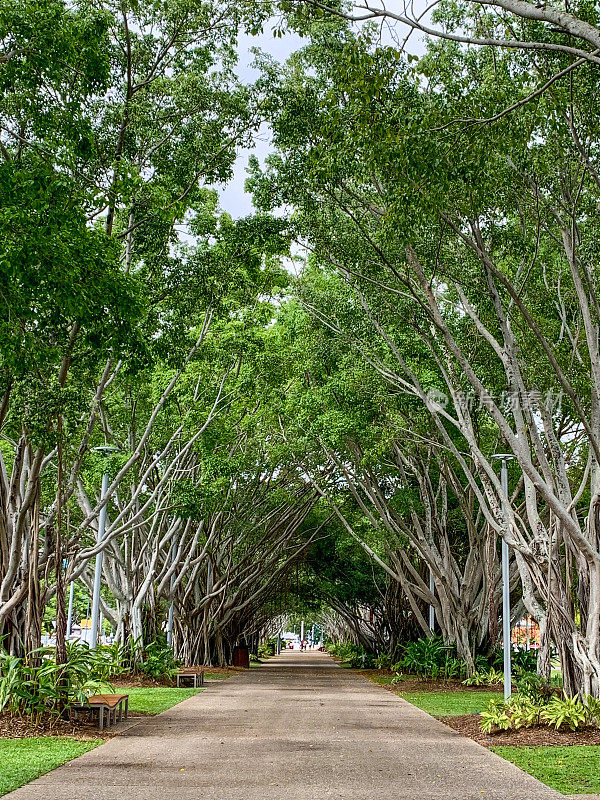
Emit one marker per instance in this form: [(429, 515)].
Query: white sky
[(232, 196)]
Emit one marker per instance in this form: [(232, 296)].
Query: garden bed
[(143, 701), (413, 683), (537, 735), (129, 680), (16, 727)]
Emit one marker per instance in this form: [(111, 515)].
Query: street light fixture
[(504, 458), (105, 451)]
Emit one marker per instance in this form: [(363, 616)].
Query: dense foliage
[(322, 438)]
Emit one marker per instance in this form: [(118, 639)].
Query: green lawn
[(152, 701), (450, 704), (384, 680), (22, 760), (570, 770)]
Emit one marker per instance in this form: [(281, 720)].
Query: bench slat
[(110, 700)]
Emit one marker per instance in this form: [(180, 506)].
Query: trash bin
[(241, 657)]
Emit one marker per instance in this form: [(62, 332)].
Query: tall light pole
[(172, 603), (504, 457), (70, 611), (431, 608), (106, 451)]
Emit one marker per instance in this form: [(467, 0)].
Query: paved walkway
[(299, 728)]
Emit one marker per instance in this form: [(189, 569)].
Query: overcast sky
[(233, 198)]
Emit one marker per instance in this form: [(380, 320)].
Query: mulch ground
[(536, 736), (14, 727), (128, 680), (412, 683)]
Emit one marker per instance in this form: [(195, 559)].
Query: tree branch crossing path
[(298, 727)]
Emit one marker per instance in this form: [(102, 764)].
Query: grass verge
[(382, 680), (570, 770), (450, 704), (23, 760), (152, 701)]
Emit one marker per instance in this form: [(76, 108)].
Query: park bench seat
[(110, 707), (195, 674)]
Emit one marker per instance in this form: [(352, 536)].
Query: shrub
[(516, 712), (485, 677), (522, 711), (431, 658), (352, 654), (569, 711), (109, 661), (158, 661), (496, 716), (383, 661), (538, 689), (524, 660), (592, 706), (41, 686)]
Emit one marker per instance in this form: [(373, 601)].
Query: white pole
[(170, 626), (302, 631), (506, 592), (70, 612), (431, 608), (98, 573), (172, 604)]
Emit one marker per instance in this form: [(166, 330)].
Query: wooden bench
[(114, 705), (193, 673)]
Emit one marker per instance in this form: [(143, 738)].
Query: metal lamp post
[(431, 608), (70, 611), (504, 457), (106, 451)]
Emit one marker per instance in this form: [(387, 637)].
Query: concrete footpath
[(297, 727)]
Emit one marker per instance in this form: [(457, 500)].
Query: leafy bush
[(352, 654), (569, 711), (521, 711), (485, 677), (496, 716), (516, 712), (383, 661), (431, 658), (109, 661), (524, 660), (521, 660), (524, 712), (158, 661), (538, 689), (592, 706), (268, 648), (41, 686)]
